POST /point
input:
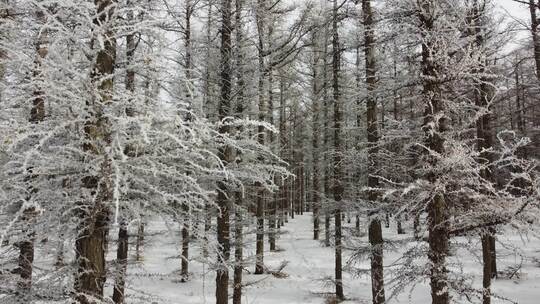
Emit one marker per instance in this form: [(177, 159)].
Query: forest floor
[(310, 265)]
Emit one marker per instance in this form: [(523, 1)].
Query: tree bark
[(338, 147), (316, 139), (238, 217), (91, 243), (434, 125), (326, 141), (261, 26), (485, 142), (189, 6), (140, 241), (226, 155), (121, 260), (534, 32), (272, 205), (375, 230)]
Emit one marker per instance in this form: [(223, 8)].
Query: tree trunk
[(487, 275), (315, 139), (238, 218), (375, 230), (140, 241), (238, 250), (208, 111), (272, 204), (26, 250), (261, 26), (434, 125), (184, 270), (534, 32), (484, 136), (226, 155), (123, 241), (326, 141), (338, 161), (283, 144), (121, 260), (91, 242)]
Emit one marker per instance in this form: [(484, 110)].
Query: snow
[(309, 263)]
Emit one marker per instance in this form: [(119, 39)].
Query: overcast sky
[(514, 9)]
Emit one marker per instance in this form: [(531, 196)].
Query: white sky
[(516, 10), (516, 13)]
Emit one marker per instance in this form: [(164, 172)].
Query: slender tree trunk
[(375, 230), (272, 205), (121, 260), (91, 242), (226, 155), (485, 141), (434, 126), (261, 26), (4, 14), (238, 250), (184, 270), (519, 101), (315, 139), (140, 241), (283, 144), (207, 108), (326, 141), (338, 163), (302, 184), (123, 240), (184, 264), (238, 222), (26, 250), (534, 32)]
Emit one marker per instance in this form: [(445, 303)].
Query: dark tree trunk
[(226, 155), (434, 126), (140, 241), (375, 230), (338, 147), (315, 140), (26, 250), (326, 141), (284, 199), (90, 248), (91, 242), (123, 241), (272, 204), (184, 270), (238, 218), (121, 260), (400, 227), (487, 272), (261, 26), (534, 32), (238, 250), (207, 104), (484, 136)]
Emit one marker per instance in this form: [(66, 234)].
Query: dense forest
[(269, 151)]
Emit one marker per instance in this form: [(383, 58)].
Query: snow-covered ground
[(309, 266)]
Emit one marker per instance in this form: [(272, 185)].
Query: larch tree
[(225, 154), (91, 244), (338, 174), (375, 229)]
